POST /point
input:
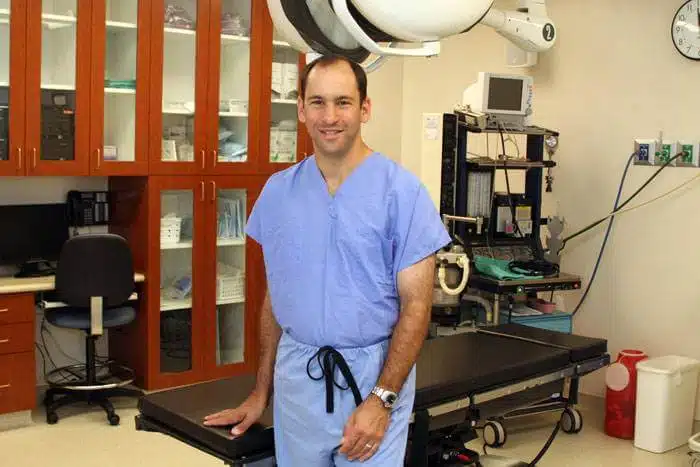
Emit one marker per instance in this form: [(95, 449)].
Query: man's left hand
[(365, 430)]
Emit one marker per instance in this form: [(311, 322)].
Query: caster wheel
[(51, 418), (571, 421), (494, 434), (113, 419)]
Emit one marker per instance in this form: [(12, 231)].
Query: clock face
[(685, 29)]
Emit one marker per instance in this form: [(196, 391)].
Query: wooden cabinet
[(17, 369), (146, 87), (205, 279)]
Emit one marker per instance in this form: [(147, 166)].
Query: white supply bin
[(666, 389)]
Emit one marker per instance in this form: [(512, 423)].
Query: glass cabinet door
[(284, 87), (233, 24), (58, 85), (11, 71), (59, 38), (176, 284), (230, 275), (118, 58), (182, 29)]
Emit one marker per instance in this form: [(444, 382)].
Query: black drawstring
[(331, 359)]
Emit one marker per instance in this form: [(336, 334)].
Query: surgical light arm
[(417, 25)]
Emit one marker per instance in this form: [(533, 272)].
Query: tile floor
[(85, 439)]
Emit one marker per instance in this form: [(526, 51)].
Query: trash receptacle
[(666, 389)]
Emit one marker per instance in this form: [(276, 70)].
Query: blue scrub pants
[(305, 434)]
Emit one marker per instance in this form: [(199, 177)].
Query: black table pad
[(580, 348), (448, 368), (463, 364), (183, 410)]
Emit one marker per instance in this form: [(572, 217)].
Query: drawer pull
[(4, 310), (5, 386), (4, 341)]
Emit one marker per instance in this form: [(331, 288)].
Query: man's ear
[(366, 110), (300, 110)]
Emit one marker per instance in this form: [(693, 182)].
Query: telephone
[(86, 208)]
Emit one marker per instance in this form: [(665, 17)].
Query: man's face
[(331, 110)]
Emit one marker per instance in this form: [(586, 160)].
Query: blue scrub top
[(332, 261)]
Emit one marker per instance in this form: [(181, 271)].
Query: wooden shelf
[(167, 304), (120, 25), (120, 91)]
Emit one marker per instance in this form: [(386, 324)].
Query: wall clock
[(685, 29)]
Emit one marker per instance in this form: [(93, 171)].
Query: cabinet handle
[(99, 158), (203, 157), (201, 197), (19, 157), (213, 191), (4, 310), (34, 158), (215, 156), (4, 341), (5, 386)]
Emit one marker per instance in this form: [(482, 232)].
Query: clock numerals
[(684, 30)]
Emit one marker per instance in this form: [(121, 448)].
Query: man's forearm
[(270, 333), (415, 285), (406, 343)]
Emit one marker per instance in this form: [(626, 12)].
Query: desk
[(13, 285), (17, 329)]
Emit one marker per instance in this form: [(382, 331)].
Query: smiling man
[(348, 238)]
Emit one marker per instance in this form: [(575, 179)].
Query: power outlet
[(666, 152), (645, 150), (691, 156)]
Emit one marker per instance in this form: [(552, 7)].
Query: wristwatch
[(386, 396)]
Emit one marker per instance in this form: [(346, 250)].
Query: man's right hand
[(242, 416)]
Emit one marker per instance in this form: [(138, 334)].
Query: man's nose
[(330, 114)]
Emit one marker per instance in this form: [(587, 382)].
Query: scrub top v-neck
[(332, 260)]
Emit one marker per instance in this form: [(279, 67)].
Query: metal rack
[(454, 200)]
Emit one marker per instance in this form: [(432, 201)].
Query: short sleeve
[(254, 227), (419, 229)]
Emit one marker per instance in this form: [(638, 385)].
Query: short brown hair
[(324, 60)]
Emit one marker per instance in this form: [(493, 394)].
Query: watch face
[(390, 398), (684, 29)]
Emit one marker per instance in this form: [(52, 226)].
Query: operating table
[(460, 379)]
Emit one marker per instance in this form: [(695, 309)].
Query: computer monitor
[(31, 235), (496, 93)]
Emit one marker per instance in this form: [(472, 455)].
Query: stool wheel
[(113, 419), (51, 418)]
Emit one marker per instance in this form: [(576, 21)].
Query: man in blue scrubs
[(348, 238)]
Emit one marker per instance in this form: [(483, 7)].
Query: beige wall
[(613, 75), (383, 131)]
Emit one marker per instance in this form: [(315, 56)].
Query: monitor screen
[(32, 232), (505, 94)]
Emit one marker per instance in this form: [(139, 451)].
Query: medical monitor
[(32, 233), (503, 94)]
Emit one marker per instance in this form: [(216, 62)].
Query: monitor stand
[(33, 268)]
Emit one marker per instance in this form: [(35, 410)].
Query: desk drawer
[(15, 338), (16, 308), (17, 382)]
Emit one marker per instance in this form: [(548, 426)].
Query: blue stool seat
[(79, 318)]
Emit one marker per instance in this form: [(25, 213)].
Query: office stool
[(95, 279)]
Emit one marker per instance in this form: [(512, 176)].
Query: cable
[(549, 442), (646, 203), (534, 268), (634, 195), (505, 173), (605, 239)]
